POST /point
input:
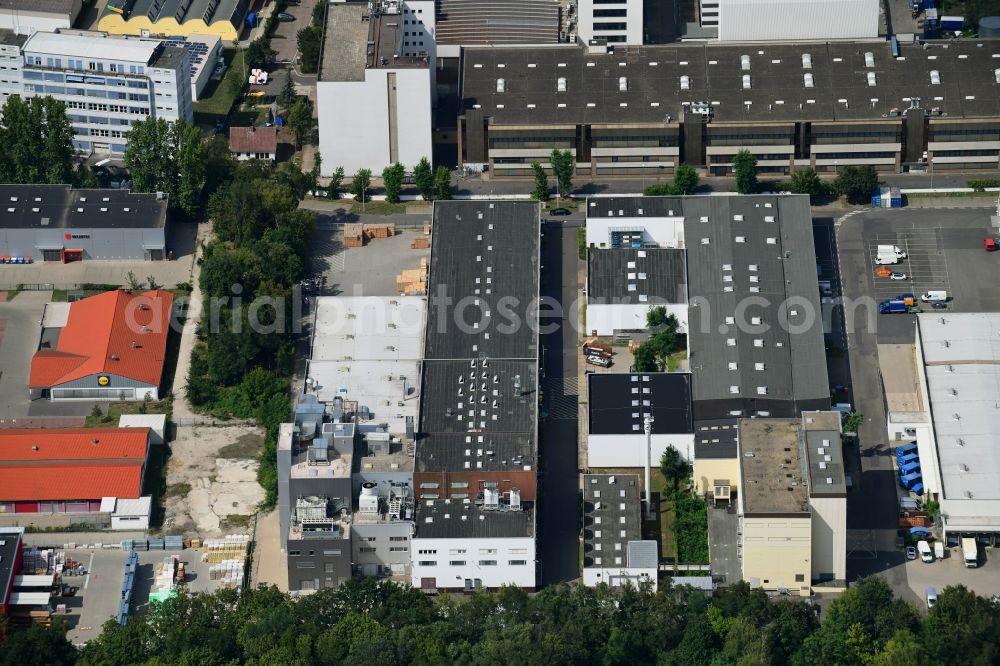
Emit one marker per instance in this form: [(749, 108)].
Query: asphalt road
[(559, 518)]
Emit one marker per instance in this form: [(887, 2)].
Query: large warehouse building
[(791, 20), (62, 224), (641, 111), (175, 18), (25, 18), (107, 347)]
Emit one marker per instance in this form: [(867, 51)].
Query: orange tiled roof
[(72, 481), (115, 333)]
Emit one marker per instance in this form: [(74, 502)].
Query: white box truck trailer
[(934, 296), (891, 249), (970, 554), (924, 549)]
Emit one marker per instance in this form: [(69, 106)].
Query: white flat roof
[(30, 598), (55, 315), (96, 47), (962, 364), (372, 328), (379, 385), (133, 507)]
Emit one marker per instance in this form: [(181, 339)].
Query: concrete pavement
[(181, 407), (21, 322)]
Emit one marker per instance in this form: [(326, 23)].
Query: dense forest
[(369, 623)]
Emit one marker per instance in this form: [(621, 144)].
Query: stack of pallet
[(413, 281), (424, 242), (354, 235), (372, 231), (230, 547)]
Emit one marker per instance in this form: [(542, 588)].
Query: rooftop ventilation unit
[(561, 84), (686, 82), (807, 61), (935, 77), (869, 59), (501, 85), (745, 63), (746, 82), (622, 84)]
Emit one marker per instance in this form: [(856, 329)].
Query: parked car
[(939, 306), (285, 17), (990, 244), (560, 211), (897, 276), (911, 553)]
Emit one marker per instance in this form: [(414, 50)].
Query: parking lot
[(99, 592), (284, 38)]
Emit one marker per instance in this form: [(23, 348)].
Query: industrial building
[(791, 502), (59, 223), (111, 346), (790, 20), (175, 18), (641, 111), (106, 84), (611, 21), (942, 394), (11, 556), (498, 22), (374, 92), (619, 405), (25, 18), (475, 473), (614, 552), (61, 476), (624, 283)]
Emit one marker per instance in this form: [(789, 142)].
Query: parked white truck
[(924, 549), (934, 296), (887, 255), (970, 553)]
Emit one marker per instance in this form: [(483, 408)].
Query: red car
[(990, 244)]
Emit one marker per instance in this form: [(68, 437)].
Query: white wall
[(619, 576), (629, 450), (605, 319), (120, 523), (755, 20), (24, 21), (633, 21), (659, 231), (354, 120), (472, 551), (829, 536)]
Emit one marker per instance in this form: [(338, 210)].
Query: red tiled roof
[(73, 481), (71, 463), (253, 139), (116, 333)]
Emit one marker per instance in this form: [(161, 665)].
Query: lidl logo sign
[(103, 380)]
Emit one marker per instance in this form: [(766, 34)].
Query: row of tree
[(367, 623), (856, 183), (36, 144), (431, 185)]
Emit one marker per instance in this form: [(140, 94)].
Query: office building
[(614, 553), (894, 106), (59, 223), (175, 18), (623, 284), (374, 92), (477, 448), (106, 84), (618, 406), (791, 20), (111, 346), (25, 18), (611, 21), (791, 502)]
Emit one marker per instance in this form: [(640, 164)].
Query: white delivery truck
[(934, 296), (891, 249), (970, 553), (939, 550), (924, 549), (886, 259)]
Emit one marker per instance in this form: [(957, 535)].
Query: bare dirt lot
[(212, 484)]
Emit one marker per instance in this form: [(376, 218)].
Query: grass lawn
[(219, 99), (116, 409), (378, 208), (665, 533), (674, 360)]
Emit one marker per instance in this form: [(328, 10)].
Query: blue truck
[(891, 306)]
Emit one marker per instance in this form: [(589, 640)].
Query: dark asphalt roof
[(10, 539), (778, 91), (444, 519), (63, 207), (619, 516), (636, 276), (619, 402), (490, 452), (715, 439), (482, 252)]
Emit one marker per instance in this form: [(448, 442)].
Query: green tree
[(84, 176), (392, 181), (442, 184), (851, 421), (745, 170), (857, 183), (287, 95), (168, 157), (674, 467), (300, 120), (805, 181), (38, 645), (562, 167), (319, 14), (336, 183), (541, 191), (360, 183), (259, 53), (310, 43), (644, 359), (660, 190), (423, 178), (36, 141), (685, 179)]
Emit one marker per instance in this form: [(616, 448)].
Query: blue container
[(909, 480), (906, 448), (906, 458), (909, 468)]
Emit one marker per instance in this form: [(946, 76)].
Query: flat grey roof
[(715, 439), (483, 252), (494, 22), (770, 468), (611, 518), (824, 454), (666, 396), (47, 6), (778, 92), (452, 518), (354, 39), (64, 207), (622, 276)]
